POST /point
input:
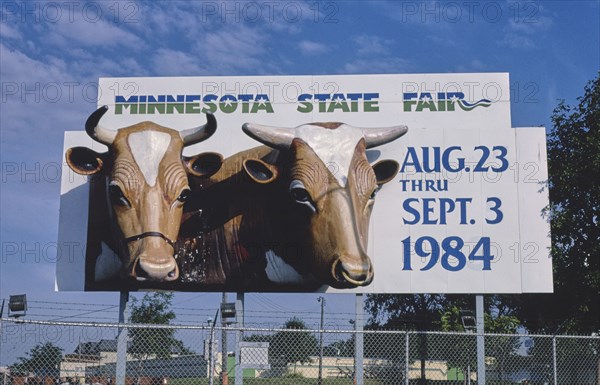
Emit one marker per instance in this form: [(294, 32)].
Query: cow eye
[(374, 193), (185, 194), (300, 194), (117, 197)]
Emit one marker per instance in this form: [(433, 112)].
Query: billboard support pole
[(358, 346), (121, 369), (406, 357), (224, 357), (320, 378), (480, 339), (239, 313)]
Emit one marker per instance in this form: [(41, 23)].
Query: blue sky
[(52, 54)]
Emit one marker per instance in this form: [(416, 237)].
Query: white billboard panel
[(463, 214)]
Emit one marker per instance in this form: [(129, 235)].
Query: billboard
[(454, 202)]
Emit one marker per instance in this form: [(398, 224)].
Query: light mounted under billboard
[(283, 204)]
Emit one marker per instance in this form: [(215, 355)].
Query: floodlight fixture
[(17, 305), (228, 312), (468, 321)]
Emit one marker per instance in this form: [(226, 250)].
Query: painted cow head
[(147, 185), (331, 183)]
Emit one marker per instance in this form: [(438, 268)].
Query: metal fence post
[(239, 311), (480, 339), (358, 346), (554, 360), (224, 356), (121, 365), (211, 349), (407, 361)]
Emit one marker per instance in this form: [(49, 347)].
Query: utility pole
[(211, 356), (224, 357), (121, 365), (320, 380)]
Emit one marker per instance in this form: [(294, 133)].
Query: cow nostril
[(173, 274), (139, 273), (352, 277)]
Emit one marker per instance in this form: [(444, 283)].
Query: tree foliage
[(411, 312), (502, 348), (341, 348), (153, 308), (429, 312), (574, 214), (41, 360), (292, 346)]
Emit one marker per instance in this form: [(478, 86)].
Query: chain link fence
[(51, 353)]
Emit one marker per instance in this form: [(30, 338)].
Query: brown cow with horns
[(146, 184), (293, 214)]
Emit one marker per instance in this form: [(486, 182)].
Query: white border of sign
[(408, 214)]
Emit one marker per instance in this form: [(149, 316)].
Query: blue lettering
[(411, 159), (410, 210), (446, 159)]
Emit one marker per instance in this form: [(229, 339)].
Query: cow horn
[(97, 132), (277, 137), (198, 134), (381, 135)]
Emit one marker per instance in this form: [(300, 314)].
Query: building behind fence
[(182, 355)]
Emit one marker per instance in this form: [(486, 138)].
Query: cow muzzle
[(156, 269), (351, 274), (153, 264)]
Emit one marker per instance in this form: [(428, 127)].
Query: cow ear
[(84, 161), (260, 172), (385, 170), (204, 165)]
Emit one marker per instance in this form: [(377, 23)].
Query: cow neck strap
[(148, 234)]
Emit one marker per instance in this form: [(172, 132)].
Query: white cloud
[(521, 33), (185, 20), (82, 33), (308, 47), (18, 67), (474, 65), (8, 32), (238, 49), (515, 40), (378, 66), (168, 62), (374, 56), (372, 45), (37, 100)]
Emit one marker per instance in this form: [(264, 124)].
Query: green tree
[(148, 343), (405, 312), (41, 360), (258, 338), (341, 348), (437, 312), (292, 346), (420, 312), (574, 214), (503, 348)]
